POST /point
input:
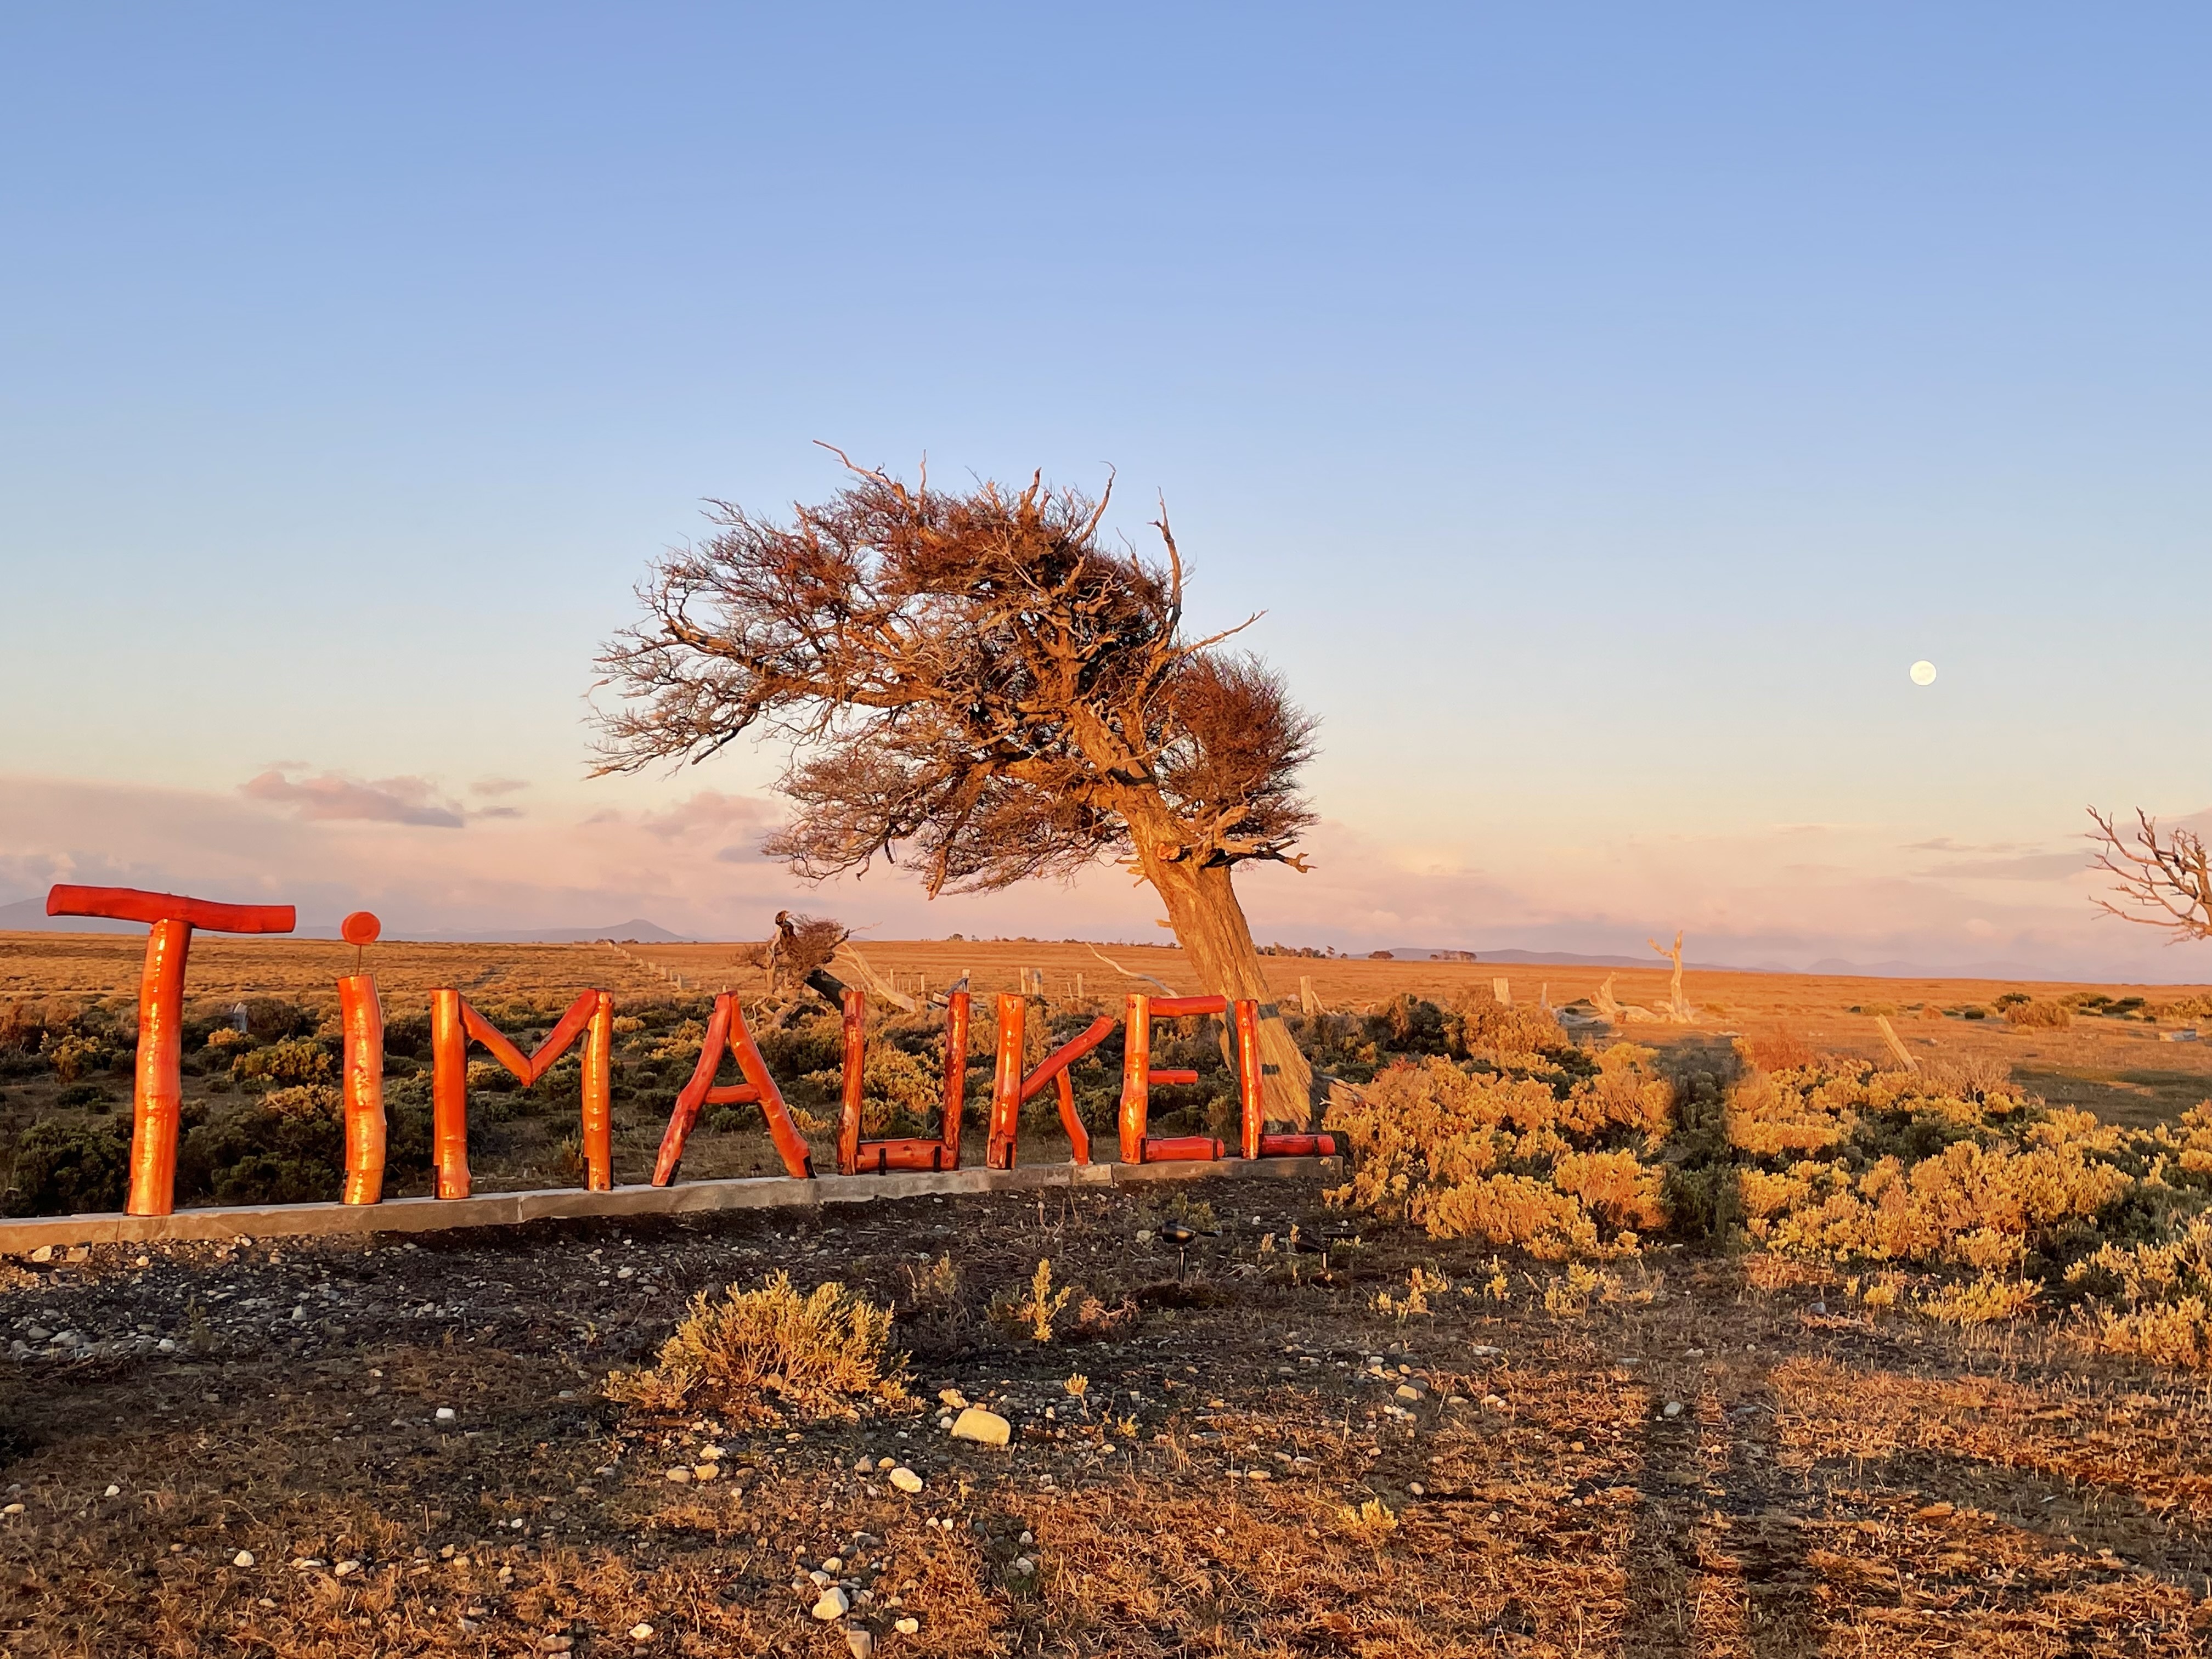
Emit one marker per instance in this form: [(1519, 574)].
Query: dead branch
[(2163, 882)]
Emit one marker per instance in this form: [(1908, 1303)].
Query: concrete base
[(414, 1215)]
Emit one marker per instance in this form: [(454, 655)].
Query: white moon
[(1923, 672)]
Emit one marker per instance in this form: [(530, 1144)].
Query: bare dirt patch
[(1719, 1459)]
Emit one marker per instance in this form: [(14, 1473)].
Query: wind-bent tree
[(973, 683), (2162, 881)]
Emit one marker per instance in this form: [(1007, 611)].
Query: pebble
[(1021, 1567), (835, 1604), (1483, 1350), (908, 1626), (706, 1471), (1409, 1391), (862, 1642), (906, 1481), (953, 1398), (445, 1413), (1673, 1408), (679, 1474), (985, 1428), (640, 1632), (113, 1492), (243, 1558)]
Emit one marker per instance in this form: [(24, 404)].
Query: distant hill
[(1827, 967), (637, 931), (30, 916), (1565, 959)]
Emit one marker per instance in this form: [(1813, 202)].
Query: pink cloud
[(330, 795)]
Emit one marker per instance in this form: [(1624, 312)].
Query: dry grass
[(761, 1356)]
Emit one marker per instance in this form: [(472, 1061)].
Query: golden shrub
[(2041, 1013), (759, 1355), (1988, 1300), (1513, 1160), (2163, 1291)]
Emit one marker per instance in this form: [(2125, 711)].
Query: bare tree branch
[(2159, 882)]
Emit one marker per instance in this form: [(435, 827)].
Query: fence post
[(599, 1096), (856, 1059), (1006, 1084), (956, 1075), (449, 1097), (360, 1017), (1136, 1066), (1251, 1114)]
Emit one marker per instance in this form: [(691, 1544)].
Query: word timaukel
[(158, 1096)]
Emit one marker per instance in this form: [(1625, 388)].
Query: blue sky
[(1607, 404)]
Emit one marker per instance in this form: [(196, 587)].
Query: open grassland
[(2117, 1067)]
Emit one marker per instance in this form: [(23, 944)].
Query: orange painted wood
[(581, 1012), (158, 1105), (598, 1087), (1006, 1084), (1250, 1112), (1167, 1077), (1297, 1145), (877, 1157), (1182, 1149), (449, 1096), (854, 1079), (695, 1094), (1079, 1137), (1065, 1056), (1170, 1007), (361, 1024), (134, 904), (732, 1094), (502, 1048), (1136, 1063), (956, 1077), (790, 1145)]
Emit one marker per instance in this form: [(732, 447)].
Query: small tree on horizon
[(971, 683)]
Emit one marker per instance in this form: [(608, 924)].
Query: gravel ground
[(399, 1447)]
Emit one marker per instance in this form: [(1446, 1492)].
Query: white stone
[(1409, 1391), (834, 1605), (906, 1481), (862, 1642), (908, 1626), (113, 1492), (986, 1428), (243, 1558), (679, 1475), (640, 1632), (445, 1415), (1673, 1408)]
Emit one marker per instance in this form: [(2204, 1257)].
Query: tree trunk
[(1210, 925)]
